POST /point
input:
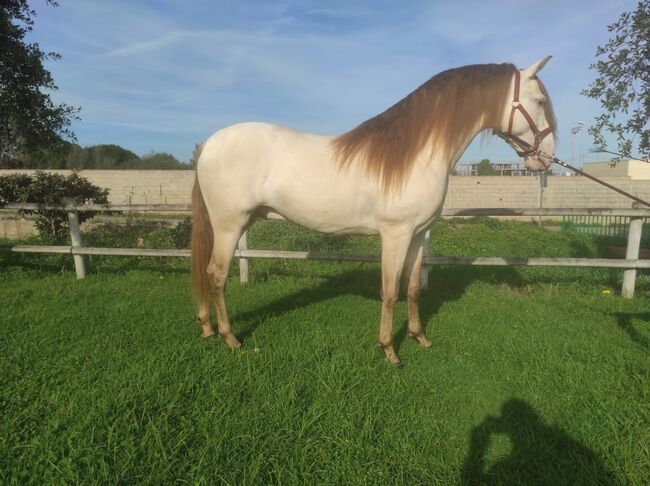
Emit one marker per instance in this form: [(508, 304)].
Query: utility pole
[(574, 132)]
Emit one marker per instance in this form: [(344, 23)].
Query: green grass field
[(536, 376)]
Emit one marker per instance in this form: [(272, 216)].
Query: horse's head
[(528, 123)]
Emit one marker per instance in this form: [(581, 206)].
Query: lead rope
[(555, 160)]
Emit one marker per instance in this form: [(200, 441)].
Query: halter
[(525, 148)]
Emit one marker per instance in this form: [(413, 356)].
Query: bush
[(181, 234), (47, 188)]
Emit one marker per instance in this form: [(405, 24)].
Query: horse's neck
[(463, 142), (457, 147)]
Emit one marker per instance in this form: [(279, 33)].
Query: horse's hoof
[(391, 355), (207, 333), (422, 340), (230, 340), (395, 361)]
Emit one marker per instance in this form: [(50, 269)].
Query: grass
[(536, 375)]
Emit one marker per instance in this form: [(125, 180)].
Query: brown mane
[(437, 113)]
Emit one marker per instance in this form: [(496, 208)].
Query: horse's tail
[(202, 243)]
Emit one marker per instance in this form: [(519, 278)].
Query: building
[(504, 169), (632, 168)]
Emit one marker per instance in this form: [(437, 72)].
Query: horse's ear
[(536, 67)]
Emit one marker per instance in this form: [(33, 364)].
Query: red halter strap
[(525, 147)]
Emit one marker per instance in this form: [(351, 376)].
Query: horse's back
[(249, 165)]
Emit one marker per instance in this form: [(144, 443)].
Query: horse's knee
[(389, 298), (413, 293)]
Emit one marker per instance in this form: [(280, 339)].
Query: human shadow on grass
[(446, 284), (540, 454), (625, 322)]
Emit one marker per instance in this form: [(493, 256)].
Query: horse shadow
[(540, 454), (625, 322), (446, 284)]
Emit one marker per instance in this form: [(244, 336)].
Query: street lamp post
[(574, 132)]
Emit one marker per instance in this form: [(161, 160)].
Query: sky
[(163, 75)]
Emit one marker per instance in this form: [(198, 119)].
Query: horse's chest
[(421, 200)]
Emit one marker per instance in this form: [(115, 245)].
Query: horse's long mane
[(438, 113)]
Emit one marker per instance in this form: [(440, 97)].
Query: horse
[(388, 176)]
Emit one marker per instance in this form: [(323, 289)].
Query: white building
[(634, 169)]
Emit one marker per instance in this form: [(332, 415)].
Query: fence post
[(424, 272), (543, 181), (75, 238), (632, 253), (243, 262)]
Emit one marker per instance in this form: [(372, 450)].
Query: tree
[(159, 161), (195, 155), (623, 83), (484, 168), (105, 156), (29, 120), (98, 157), (46, 188)]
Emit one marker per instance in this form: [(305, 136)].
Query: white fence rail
[(630, 264)]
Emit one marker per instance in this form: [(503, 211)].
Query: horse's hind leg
[(203, 318), (222, 254)]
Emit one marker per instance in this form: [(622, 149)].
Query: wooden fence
[(630, 264)]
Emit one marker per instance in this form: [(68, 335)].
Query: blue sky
[(162, 75)]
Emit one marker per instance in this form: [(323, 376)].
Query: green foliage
[(479, 236), (271, 235), (100, 157), (47, 188), (29, 120), (484, 168), (159, 161), (195, 155), (489, 237), (110, 156), (137, 233), (623, 83), (181, 234)]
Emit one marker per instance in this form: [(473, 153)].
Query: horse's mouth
[(536, 163)]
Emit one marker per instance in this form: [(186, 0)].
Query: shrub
[(47, 188), (181, 234)]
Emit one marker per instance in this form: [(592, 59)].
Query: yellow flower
[(606, 292)]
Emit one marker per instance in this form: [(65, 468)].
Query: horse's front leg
[(412, 269), (394, 247)]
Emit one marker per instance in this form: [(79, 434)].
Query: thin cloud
[(142, 72)]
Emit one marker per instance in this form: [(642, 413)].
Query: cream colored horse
[(388, 176)]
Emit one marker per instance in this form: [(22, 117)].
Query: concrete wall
[(523, 192), (14, 228), (175, 187)]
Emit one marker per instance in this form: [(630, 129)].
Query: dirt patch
[(619, 252)]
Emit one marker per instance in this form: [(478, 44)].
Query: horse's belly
[(321, 201)]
